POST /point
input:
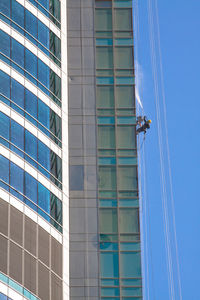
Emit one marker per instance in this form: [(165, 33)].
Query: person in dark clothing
[(143, 127)]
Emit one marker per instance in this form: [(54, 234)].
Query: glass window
[(17, 135), (17, 13), (31, 63), (110, 291), (30, 144), (106, 137), (55, 84), (107, 178), (127, 178), (123, 57), (4, 84), (31, 103), (3, 297), (4, 170), (18, 53), (5, 126), (104, 3), (108, 220), (125, 96), (122, 19), (105, 96), (17, 93), (16, 177), (31, 23), (43, 34), (56, 208), (104, 58), (55, 8), (123, 3), (109, 264), (128, 220), (43, 155), (43, 73), (5, 7), (56, 166), (43, 113), (5, 43), (130, 264), (55, 45), (76, 178), (30, 189), (126, 137), (103, 20), (45, 3), (55, 124), (43, 198)]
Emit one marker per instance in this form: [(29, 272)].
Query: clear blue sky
[(180, 44)]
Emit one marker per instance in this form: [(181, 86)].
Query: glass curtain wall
[(120, 256)]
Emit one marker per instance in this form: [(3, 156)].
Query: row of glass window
[(116, 3), (120, 237), (28, 25), (122, 202), (15, 286), (125, 80), (26, 188), (30, 66), (31, 107), (26, 145), (123, 291), (50, 8)]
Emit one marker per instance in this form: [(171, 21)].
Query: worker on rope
[(143, 123)]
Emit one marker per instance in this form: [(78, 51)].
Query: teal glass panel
[(129, 237), (129, 220), (131, 291), (15, 286), (104, 42), (125, 72), (109, 194), (106, 137), (107, 178), (104, 57), (109, 263), (105, 80), (123, 42), (108, 238), (123, 34), (109, 282), (107, 161), (130, 246), (108, 222), (126, 120), (105, 152), (110, 298), (105, 96), (108, 203), (104, 72), (103, 34), (131, 298), (126, 137), (128, 194), (127, 160), (107, 246), (105, 112), (130, 264), (3, 278), (123, 3), (106, 120), (27, 294), (127, 178), (128, 202), (103, 20), (110, 291), (104, 3), (131, 282), (123, 57), (123, 19), (125, 80), (125, 152)]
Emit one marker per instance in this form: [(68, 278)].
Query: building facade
[(69, 203)]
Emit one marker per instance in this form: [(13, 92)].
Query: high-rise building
[(69, 207)]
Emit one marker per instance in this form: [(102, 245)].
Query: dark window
[(30, 189), (5, 7), (76, 178), (31, 63), (4, 84), (16, 177), (5, 43)]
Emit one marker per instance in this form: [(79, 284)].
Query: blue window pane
[(45, 3), (31, 103), (4, 126), (104, 42), (125, 80), (124, 42), (17, 93), (5, 43), (43, 73), (43, 198), (31, 23), (3, 297), (17, 135), (43, 114), (18, 53), (5, 7), (43, 34), (4, 84), (126, 120), (127, 161), (4, 170), (106, 120), (16, 177), (31, 63), (107, 161), (110, 292), (109, 264), (17, 13), (44, 155), (130, 264), (105, 80), (56, 208), (30, 189), (30, 144)]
